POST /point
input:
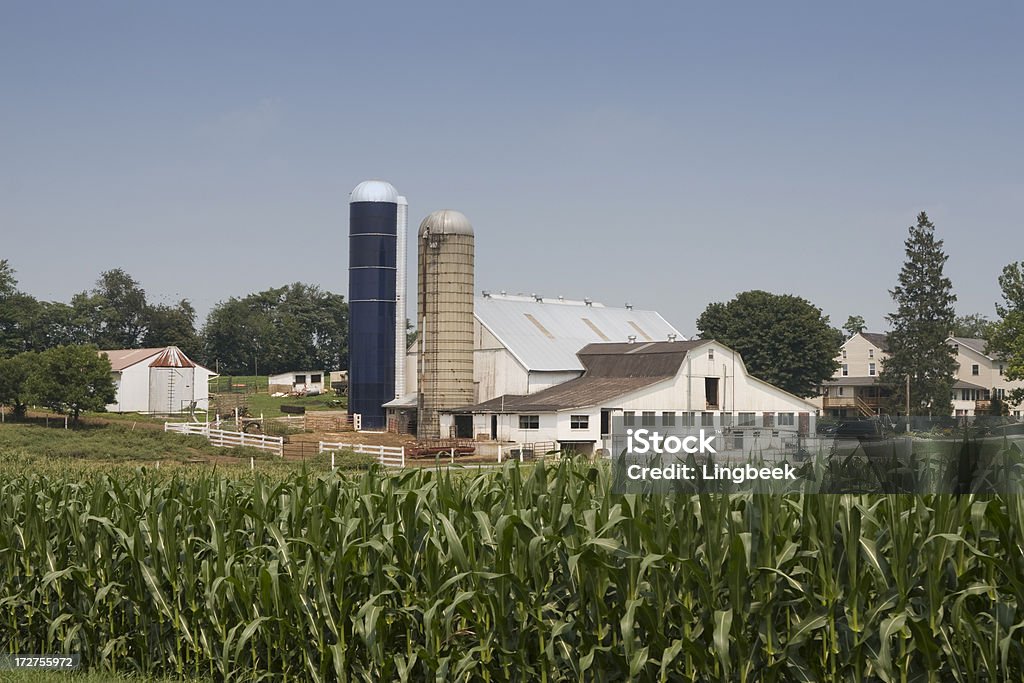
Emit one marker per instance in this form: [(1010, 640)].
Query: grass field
[(513, 574)]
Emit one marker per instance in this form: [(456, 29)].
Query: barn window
[(746, 419), (300, 379), (579, 421), (647, 419), (668, 419), (315, 379), (628, 418), (529, 421), (785, 419)]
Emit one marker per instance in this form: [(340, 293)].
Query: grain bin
[(372, 293), (445, 317)]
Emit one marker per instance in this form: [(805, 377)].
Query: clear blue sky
[(666, 154)]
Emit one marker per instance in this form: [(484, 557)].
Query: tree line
[(787, 341), (276, 330)]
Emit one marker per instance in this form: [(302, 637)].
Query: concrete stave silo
[(373, 269), (445, 317)]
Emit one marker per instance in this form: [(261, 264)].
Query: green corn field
[(523, 573)]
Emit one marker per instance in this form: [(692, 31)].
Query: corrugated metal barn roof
[(546, 335), (124, 358)]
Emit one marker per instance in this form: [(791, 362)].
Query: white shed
[(303, 381), (160, 381)]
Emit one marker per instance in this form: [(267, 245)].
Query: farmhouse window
[(975, 369), (529, 421), (579, 421)]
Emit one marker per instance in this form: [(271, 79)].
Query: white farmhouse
[(683, 383), (159, 381)]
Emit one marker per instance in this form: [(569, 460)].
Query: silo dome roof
[(374, 191), (448, 222)]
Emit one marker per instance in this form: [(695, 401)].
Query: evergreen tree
[(854, 325), (920, 327)]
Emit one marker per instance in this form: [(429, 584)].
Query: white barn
[(685, 383), (158, 381)]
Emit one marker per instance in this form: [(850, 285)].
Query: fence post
[(499, 453), (403, 456), (252, 463), (453, 455), (242, 437), (332, 460), (380, 458)]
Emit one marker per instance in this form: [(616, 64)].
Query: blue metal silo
[(373, 261)]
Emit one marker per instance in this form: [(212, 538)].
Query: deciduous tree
[(783, 339), (71, 380), (1007, 338)]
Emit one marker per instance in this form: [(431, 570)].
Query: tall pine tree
[(920, 327)]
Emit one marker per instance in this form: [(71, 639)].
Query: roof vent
[(632, 338), (486, 293), (561, 298), (588, 301), (629, 306), (503, 292), (538, 297), (671, 337)]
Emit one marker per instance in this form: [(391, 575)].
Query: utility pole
[(908, 402)]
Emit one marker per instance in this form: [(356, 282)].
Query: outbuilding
[(303, 382), (159, 381)]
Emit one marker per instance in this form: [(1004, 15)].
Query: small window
[(707, 419), (871, 353), (688, 420), (769, 420), (746, 420), (871, 369), (668, 419), (647, 419), (726, 419), (579, 421), (844, 354), (846, 370), (786, 419), (628, 418), (975, 369), (711, 354), (529, 421), (840, 391), (1000, 369), (1000, 394), (315, 379), (300, 379)]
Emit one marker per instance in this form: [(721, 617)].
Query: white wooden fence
[(226, 439), (389, 456)]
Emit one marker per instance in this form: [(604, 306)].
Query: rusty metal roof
[(165, 357), (653, 359), (172, 357)]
